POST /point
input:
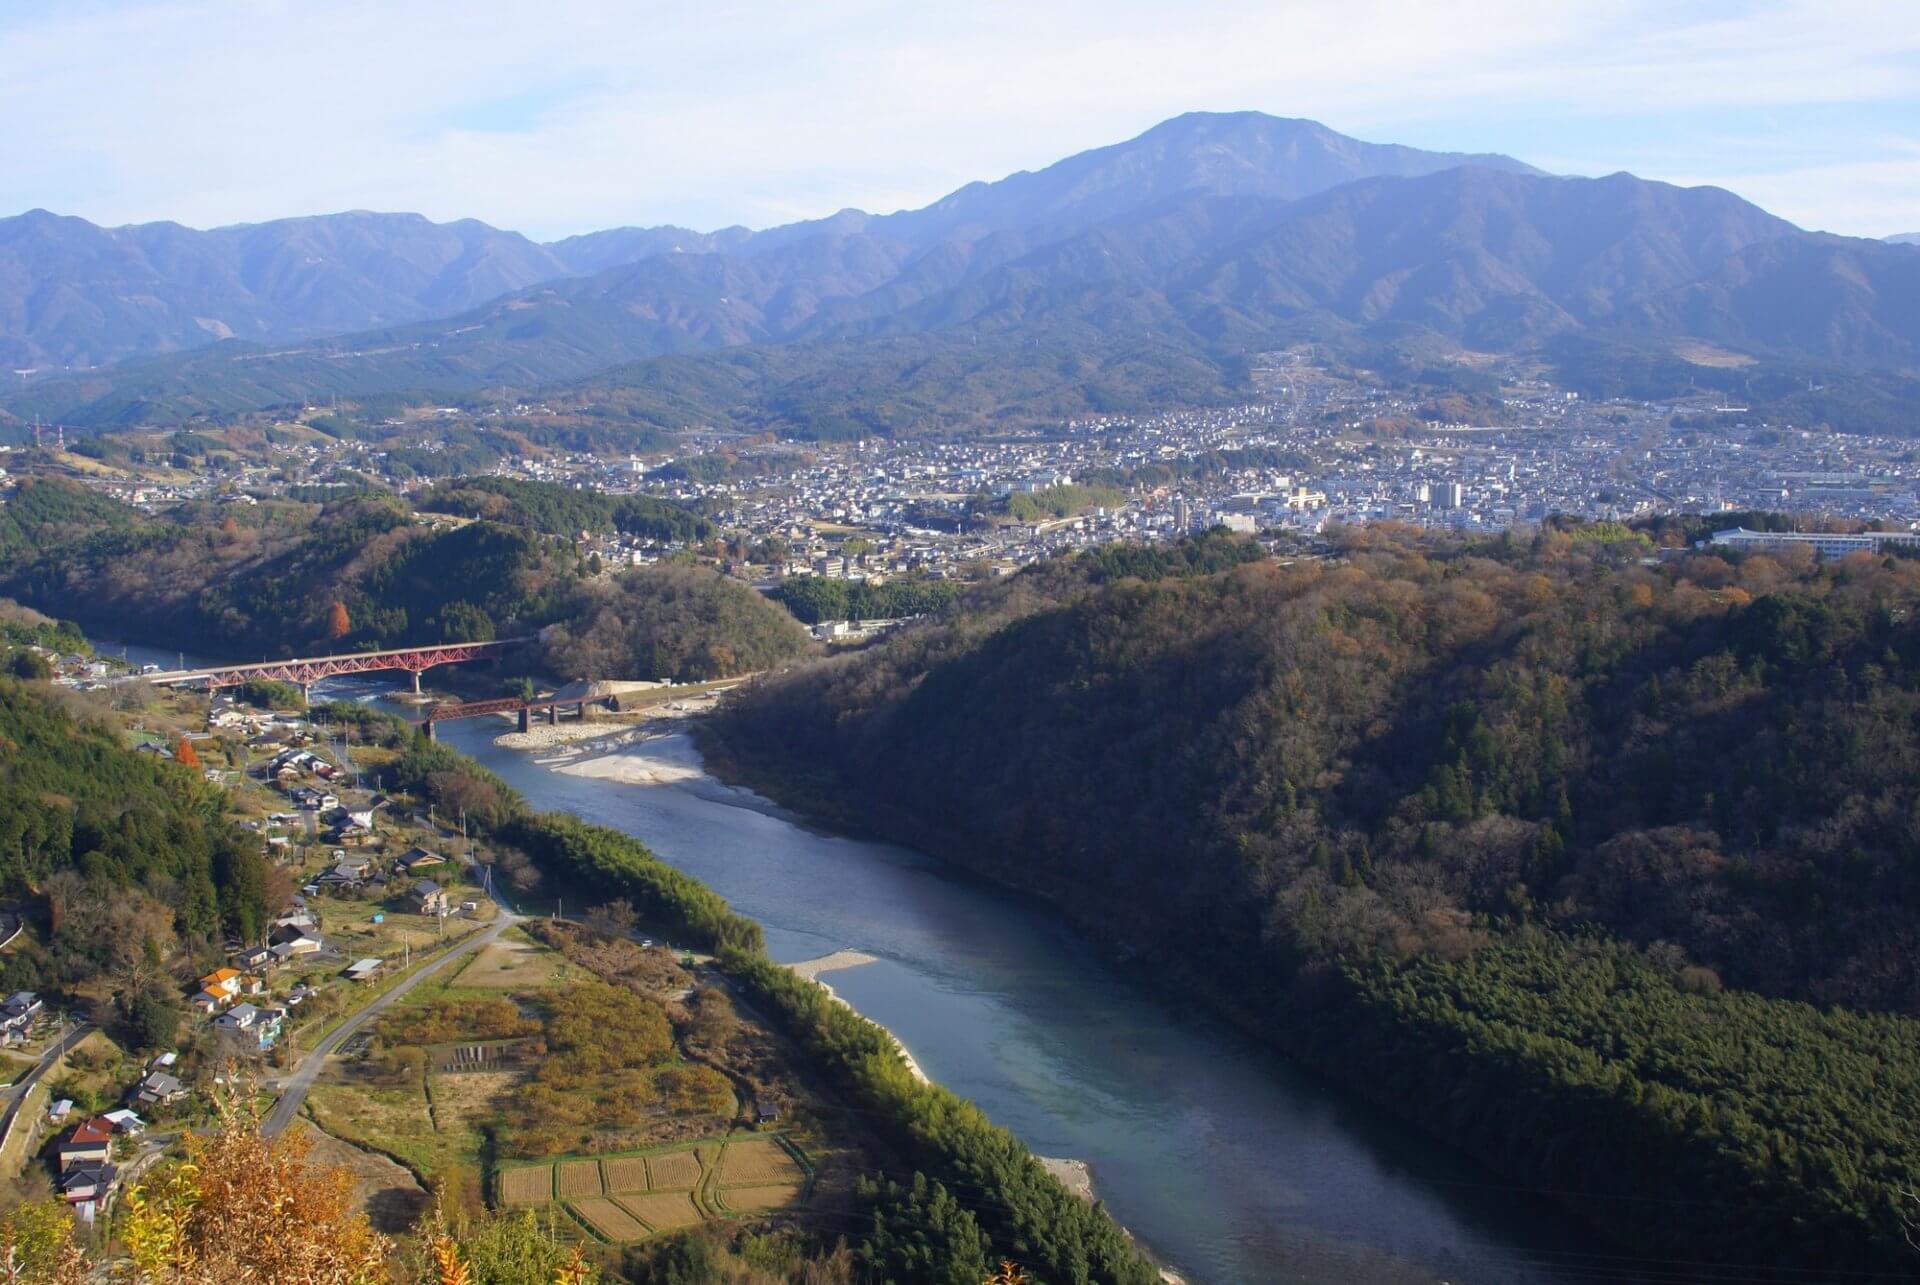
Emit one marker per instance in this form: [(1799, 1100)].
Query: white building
[(1825, 543)]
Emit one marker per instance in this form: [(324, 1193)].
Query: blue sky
[(578, 114)]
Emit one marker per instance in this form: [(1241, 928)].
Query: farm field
[(626, 1197), (756, 1163), (664, 1210), (513, 963), (625, 1174), (532, 1185), (471, 1099), (673, 1169), (753, 1200), (609, 1219), (394, 1120), (574, 1179)]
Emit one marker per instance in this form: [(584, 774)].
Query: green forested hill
[(1536, 843), (687, 623), (131, 852), (259, 581), (559, 510)]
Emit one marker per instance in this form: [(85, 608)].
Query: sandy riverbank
[(841, 959), (546, 736)]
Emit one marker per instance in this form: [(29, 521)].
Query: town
[(1317, 449)]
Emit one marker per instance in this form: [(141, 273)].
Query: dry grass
[(752, 1200), (471, 1099), (673, 1170), (390, 1196), (511, 963), (13, 1158), (578, 1178), (663, 1210), (609, 1219), (532, 1185), (1700, 354), (625, 1174), (758, 1163)]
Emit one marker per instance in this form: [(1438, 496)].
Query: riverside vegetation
[(1594, 866), (991, 1196), (957, 1194)]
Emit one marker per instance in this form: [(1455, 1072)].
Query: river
[(1228, 1162)]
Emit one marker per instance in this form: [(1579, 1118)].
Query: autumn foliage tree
[(37, 1244), (183, 753), (337, 623), (239, 1208)]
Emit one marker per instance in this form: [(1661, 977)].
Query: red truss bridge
[(303, 671)]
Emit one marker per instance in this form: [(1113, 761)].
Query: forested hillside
[(1543, 844), (132, 852), (559, 510), (237, 580), (687, 623)]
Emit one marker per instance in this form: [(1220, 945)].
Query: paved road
[(294, 1090), (25, 1085)]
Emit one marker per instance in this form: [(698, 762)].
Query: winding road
[(294, 1089), (18, 1090)]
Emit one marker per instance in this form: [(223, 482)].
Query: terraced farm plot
[(663, 1210), (675, 1169), (577, 1178), (762, 1162), (625, 1174), (610, 1220), (752, 1200), (529, 1186)]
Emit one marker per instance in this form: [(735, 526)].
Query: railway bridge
[(574, 696), (304, 671)]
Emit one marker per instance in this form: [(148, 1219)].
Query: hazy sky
[(567, 115)]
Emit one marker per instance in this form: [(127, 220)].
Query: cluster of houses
[(84, 1159), (246, 1025), (226, 994), (83, 1155), (359, 874)]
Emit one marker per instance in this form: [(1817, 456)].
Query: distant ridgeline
[(1598, 870), (1129, 278)]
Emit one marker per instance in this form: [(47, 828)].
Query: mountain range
[(1212, 235)]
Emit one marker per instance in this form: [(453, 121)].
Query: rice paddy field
[(628, 1197)]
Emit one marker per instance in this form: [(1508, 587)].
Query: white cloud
[(1862, 198), (214, 111)]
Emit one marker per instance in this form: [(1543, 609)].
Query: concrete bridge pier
[(416, 682), (427, 727), (526, 719), (553, 715)]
